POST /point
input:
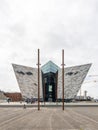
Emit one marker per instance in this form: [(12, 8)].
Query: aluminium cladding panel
[(73, 79), (27, 79)]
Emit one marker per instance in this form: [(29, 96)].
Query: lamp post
[(44, 92), (38, 79), (63, 79), (56, 88)]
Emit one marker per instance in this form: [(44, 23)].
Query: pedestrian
[(24, 106)]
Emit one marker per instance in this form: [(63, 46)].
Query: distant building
[(13, 96), (2, 96), (85, 94), (50, 81), (82, 98)]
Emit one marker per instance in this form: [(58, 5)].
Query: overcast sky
[(51, 25)]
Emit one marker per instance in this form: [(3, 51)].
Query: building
[(2, 96), (50, 81), (13, 96)]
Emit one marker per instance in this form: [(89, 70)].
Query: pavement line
[(85, 117), (16, 117), (65, 120), (50, 120)]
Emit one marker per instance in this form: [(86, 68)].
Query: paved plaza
[(49, 118)]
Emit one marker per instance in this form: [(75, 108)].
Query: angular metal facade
[(27, 81), (73, 79)]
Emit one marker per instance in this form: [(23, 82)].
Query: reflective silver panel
[(28, 81), (73, 77)]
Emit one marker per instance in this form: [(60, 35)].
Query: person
[(8, 100), (24, 106)]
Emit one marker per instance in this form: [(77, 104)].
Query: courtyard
[(49, 118)]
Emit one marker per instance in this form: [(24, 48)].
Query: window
[(50, 88)]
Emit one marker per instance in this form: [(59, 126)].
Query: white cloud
[(51, 25)]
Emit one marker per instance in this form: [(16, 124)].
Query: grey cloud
[(69, 25), (4, 7), (18, 29)]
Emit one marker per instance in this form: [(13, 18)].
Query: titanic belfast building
[(50, 81)]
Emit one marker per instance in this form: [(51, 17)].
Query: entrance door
[(49, 87), (50, 91)]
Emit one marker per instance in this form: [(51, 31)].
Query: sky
[(50, 25)]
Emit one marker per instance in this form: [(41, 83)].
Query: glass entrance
[(49, 87), (49, 80)]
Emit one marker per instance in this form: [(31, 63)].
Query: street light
[(63, 79)]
